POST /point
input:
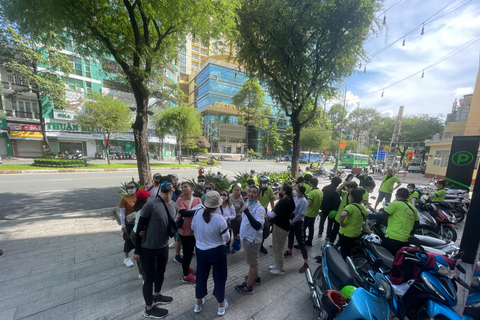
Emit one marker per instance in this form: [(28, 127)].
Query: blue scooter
[(369, 301)]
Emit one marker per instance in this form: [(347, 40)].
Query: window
[(195, 56), (89, 86), (77, 65), (75, 84), (195, 49), (195, 64), (88, 72), (203, 51), (440, 158)]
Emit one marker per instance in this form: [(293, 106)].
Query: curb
[(89, 170)]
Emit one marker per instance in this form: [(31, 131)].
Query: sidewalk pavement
[(70, 266)]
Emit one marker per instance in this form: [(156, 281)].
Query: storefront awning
[(26, 135)]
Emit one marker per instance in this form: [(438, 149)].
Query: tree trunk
[(106, 148), (140, 131), (179, 142), (40, 111), (296, 146), (162, 146)]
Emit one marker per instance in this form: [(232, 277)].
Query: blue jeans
[(384, 195), (206, 259)]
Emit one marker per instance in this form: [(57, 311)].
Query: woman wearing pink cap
[(141, 198)]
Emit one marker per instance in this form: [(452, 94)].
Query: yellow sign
[(226, 106), (26, 134)]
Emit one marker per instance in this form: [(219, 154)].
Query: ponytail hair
[(207, 214)]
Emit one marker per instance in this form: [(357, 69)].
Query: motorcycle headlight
[(452, 219), (431, 286), (385, 287), (442, 270)]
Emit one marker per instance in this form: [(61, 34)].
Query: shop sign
[(60, 114), (26, 135), (62, 126), (226, 106), (23, 127)]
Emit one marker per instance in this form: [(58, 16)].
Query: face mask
[(295, 194), (131, 191), (224, 197), (264, 185), (201, 183), (157, 182), (410, 190), (251, 203)]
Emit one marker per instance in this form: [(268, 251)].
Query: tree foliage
[(363, 120), (252, 109), (287, 139), (183, 122), (301, 49), (142, 36), (272, 140), (106, 115), (336, 113), (314, 138)]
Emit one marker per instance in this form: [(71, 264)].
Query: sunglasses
[(166, 183), (224, 195), (201, 180), (131, 187)]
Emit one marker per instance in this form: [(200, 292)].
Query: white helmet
[(373, 238)]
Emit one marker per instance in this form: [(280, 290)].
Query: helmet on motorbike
[(332, 214), (373, 238), (347, 291), (333, 302), (264, 178)]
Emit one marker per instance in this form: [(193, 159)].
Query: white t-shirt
[(247, 232), (301, 205), (153, 191), (209, 235), (228, 212)]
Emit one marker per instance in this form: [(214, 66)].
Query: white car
[(416, 167)]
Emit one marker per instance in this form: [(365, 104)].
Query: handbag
[(266, 229), (172, 226), (126, 236), (180, 219), (236, 245)]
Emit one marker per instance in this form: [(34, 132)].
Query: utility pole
[(396, 133), (341, 127)]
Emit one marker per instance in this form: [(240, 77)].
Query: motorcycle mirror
[(461, 269), (459, 255)]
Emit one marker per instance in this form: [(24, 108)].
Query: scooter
[(368, 301), (446, 227), (289, 168)]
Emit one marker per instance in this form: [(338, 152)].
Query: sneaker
[(188, 279), (198, 307), (192, 272), (257, 281), (277, 272), (263, 250), (287, 253), (271, 245), (228, 249), (243, 288), (303, 268), (155, 312), (272, 267), (178, 259), (161, 299), (308, 244), (140, 277), (171, 245), (221, 310), (296, 246), (128, 263)]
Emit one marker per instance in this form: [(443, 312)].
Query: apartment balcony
[(7, 85), (22, 114)]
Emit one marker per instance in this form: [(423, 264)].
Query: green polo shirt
[(343, 204), (388, 184), (413, 195), (264, 196), (307, 187), (365, 194), (401, 218), (357, 213), (440, 195), (316, 195)]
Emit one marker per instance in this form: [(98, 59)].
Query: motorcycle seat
[(431, 241), (338, 270), (381, 253)]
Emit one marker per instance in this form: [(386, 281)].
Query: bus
[(307, 157), (350, 160)]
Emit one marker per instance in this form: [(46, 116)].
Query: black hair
[(165, 179), (139, 204), (228, 197), (201, 177), (351, 184), (369, 184), (402, 193), (302, 189), (207, 214), (442, 182), (411, 185), (350, 175), (187, 182), (300, 180), (314, 182), (288, 190), (336, 181), (250, 182), (308, 177), (134, 183), (357, 195)]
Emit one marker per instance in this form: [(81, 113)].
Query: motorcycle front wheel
[(449, 234), (459, 214)]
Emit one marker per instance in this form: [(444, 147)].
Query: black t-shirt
[(331, 199), (284, 210)]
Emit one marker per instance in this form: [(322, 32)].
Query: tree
[(106, 115), (272, 141), (363, 120), (253, 111), (300, 50), (287, 139), (336, 113), (182, 122), (140, 35), (314, 138), (22, 54)]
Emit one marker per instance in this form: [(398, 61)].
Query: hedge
[(60, 163)]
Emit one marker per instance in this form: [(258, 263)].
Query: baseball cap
[(142, 194), (174, 175)]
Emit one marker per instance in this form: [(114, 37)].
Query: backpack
[(404, 268)]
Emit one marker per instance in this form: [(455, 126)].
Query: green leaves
[(251, 100), (314, 138)]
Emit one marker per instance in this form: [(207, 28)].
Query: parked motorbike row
[(123, 156), (420, 282), (77, 155)]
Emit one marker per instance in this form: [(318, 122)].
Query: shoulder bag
[(172, 226)]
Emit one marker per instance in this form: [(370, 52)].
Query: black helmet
[(264, 178)]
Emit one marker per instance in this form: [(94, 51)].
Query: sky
[(444, 33)]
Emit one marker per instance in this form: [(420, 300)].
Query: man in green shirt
[(386, 188), (351, 221), (441, 193), (315, 197), (344, 190), (414, 196), (306, 184), (402, 222)]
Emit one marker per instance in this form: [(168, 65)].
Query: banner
[(26, 135), (461, 161)]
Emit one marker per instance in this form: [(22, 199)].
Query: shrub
[(215, 162), (60, 163)]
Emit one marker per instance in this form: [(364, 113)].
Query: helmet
[(373, 238), (333, 302), (347, 291), (332, 214), (264, 178)]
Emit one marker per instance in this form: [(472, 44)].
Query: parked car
[(416, 167), (330, 159)]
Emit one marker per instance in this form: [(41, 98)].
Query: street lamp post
[(341, 127)]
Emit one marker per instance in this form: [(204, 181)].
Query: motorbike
[(77, 155), (289, 168), (340, 173), (445, 221), (98, 155), (432, 294), (370, 300), (320, 171)]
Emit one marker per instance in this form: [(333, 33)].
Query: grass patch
[(96, 166)]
